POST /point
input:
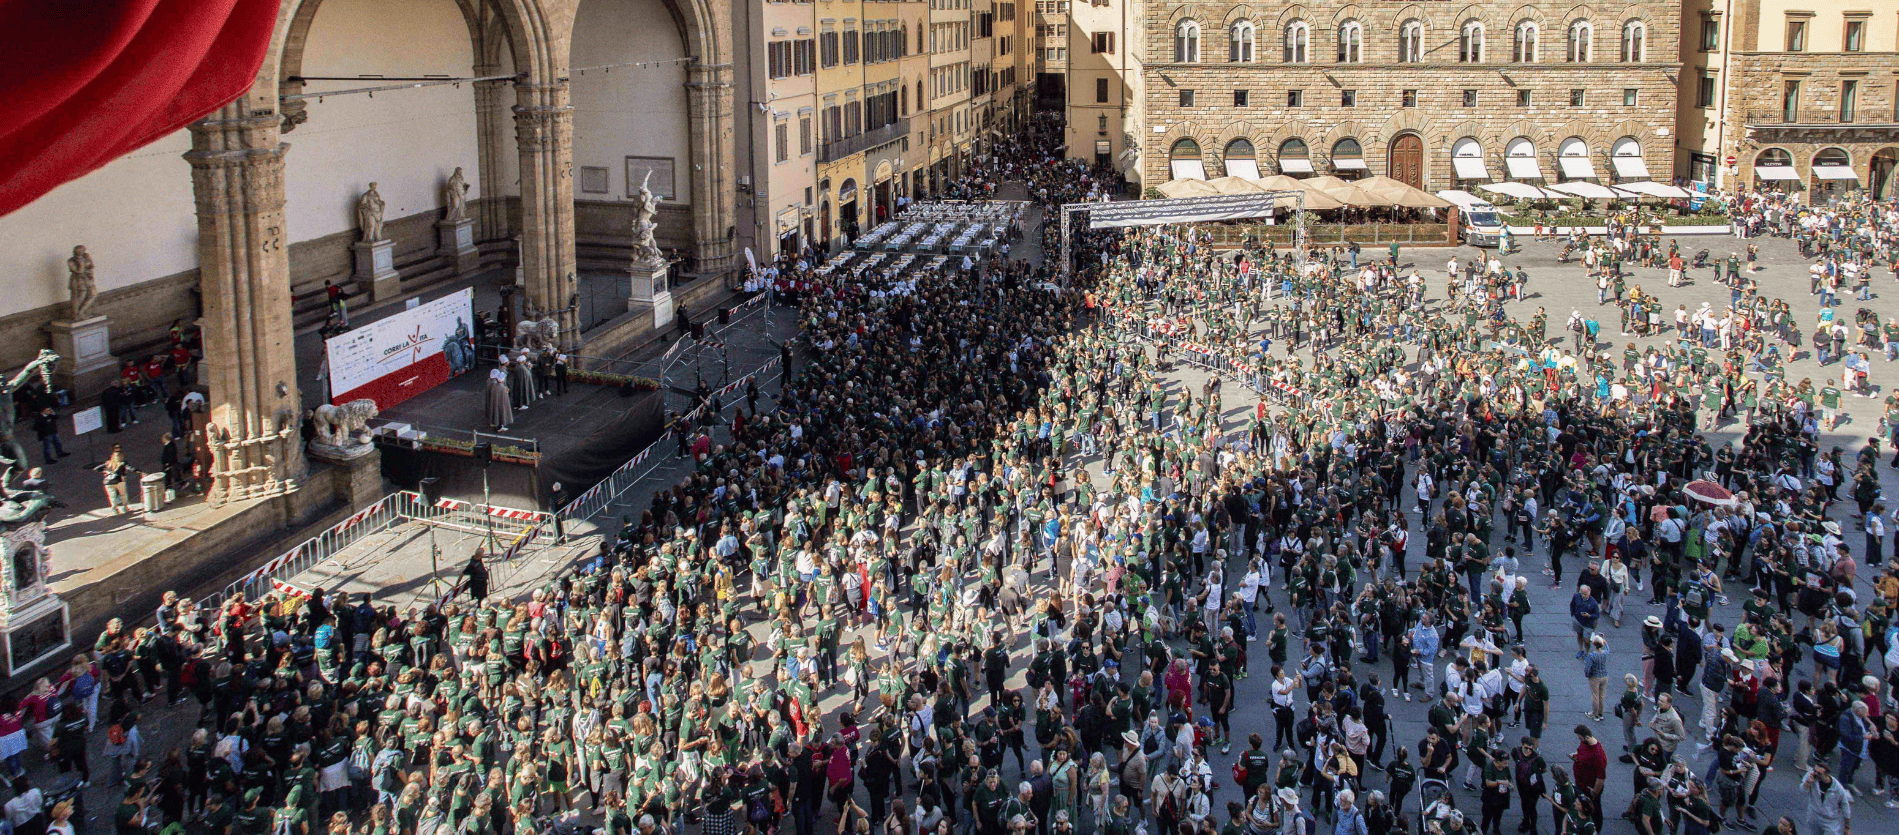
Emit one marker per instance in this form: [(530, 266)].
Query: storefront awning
[(1248, 168), (1776, 172), (1633, 168), (1834, 172), (1295, 165), (1579, 168), (1469, 168), (1523, 168), (1189, 169), (1349, 164)]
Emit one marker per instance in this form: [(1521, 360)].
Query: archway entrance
[(1407, 160), (1880, 178), (847, 209)]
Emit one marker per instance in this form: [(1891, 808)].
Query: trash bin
[(153, 486)]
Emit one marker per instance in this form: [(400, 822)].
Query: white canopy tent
[(1522, 191), (1590, 191), (1654, 189)]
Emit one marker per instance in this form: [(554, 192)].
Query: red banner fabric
[(87, 82)]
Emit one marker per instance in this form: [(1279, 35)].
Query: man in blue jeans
[(46, 425), (1584, 611)]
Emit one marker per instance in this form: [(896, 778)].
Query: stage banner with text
[(400, 356)]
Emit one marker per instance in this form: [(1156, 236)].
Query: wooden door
[(1407, 160)]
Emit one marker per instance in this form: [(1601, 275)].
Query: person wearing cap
[(1133, 766)]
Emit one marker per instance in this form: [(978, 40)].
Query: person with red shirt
[(155, 373), (1589, 765)]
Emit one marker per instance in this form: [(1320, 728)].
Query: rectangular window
[(1410, 98), (1628, 96), (1849, 99), (1470, 98), (783, 141), (1101, 91), (1101, 123), (1348, 98), (1575, 98), (1704, 90), (1710, 34), (1295, 98), (1103, 43), (1796, 36), (1790, 101), (1523, 98), (804, 135), (1855, 36), (1186, 98), (1239, 98)]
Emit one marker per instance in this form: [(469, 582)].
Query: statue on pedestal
[(18, 506), (455, 196), (342, 432), (79, 282), (369, 214), (645, 207)]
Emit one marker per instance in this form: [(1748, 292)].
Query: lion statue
[(346, 425), (537, 334)]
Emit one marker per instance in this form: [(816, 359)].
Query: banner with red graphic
[(400, 356)]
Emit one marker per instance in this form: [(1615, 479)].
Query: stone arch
[(1583, 11), (1479, 13), (1536, 132), (1406, 12), (1406, 119), (1185, 12), (1216, 149), (1531, 13), (1289, 14), (1349, 11), (1237, 14)]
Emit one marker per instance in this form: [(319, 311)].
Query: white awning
[(1189, 169), (1462, 199), (1834, 172), (1633, 168), (1589, 191), (1654, 189), (1523, 168), (1349, 164), (1248, 168), (1776, 172), (1469, 168), (1520, 190), (1577, 167), (1295, 165)]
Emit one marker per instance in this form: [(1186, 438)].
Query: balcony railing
[(834, 151)]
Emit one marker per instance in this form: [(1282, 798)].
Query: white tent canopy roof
[(1520, 190), (1589, 191)]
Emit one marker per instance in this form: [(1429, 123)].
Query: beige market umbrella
[(1316, 199), (1350, 193), (1187, 188), (1402, 194)]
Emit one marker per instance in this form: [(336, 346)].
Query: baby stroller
[(1701, 259)]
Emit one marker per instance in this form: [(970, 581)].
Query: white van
[(1481, 222)]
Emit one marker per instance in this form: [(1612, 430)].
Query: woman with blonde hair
[(116, 474)]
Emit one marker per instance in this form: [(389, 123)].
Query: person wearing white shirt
[(1249, 596)]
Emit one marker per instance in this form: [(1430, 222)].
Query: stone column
[(544, 128), (491, 213), (709, 105), (250, 366)]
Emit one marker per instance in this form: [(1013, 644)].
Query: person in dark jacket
[(475, 576), (46, 426)]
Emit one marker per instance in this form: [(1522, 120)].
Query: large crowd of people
[(989, 567)]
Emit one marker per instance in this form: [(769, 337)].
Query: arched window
[(1523, 48), (1294, 157), (1470, 43), (1298, 38), (1351, 38), (1184, 160), (1774, 156), (1240, 160), (1634, 41), (1519, 159), (1348, 158), (1187, 43), (1239, 46), (1581, 34), (1411, 42)]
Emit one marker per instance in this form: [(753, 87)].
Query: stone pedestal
[(650, 292), (35, 625), (455, 241), (361, 484), (376, 268), (85, 348)]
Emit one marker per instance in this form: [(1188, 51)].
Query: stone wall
[(1754, 111), (141, 319), (1437, 115)]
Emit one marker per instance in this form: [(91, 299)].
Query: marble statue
[(12, 454), (459, 349), (369, 214), (79, 282), (346, 426), (455, 196), (645, 207)]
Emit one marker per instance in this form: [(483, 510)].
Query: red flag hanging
[(86, 83)]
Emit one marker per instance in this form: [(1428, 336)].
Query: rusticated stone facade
[(1868, 143), (1412, 97)]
